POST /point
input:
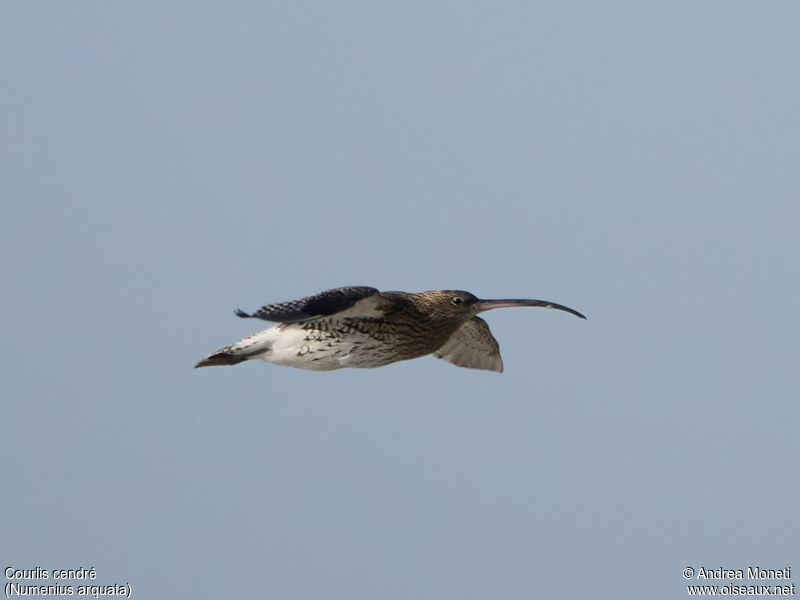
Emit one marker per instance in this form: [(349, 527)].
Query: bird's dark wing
[(472, 346), (319, 305)]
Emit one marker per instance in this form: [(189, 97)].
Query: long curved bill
[(491, 304)]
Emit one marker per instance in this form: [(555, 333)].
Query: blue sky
[(163, 165)]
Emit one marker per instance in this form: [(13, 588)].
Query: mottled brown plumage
[(362, 327)]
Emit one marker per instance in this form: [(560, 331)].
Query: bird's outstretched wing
[(472, 346), (319, 305)]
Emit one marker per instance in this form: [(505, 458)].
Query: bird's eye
[(458, 300)]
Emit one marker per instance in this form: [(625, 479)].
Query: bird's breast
[(328, 344)]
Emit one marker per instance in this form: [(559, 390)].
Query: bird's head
[(448, 304), (461, 305)]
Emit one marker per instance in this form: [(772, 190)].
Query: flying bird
[(361, 327)]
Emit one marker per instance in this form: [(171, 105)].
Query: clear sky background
[(165, 163)]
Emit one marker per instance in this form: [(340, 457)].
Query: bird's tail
[(255, 346), (220, 358)]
